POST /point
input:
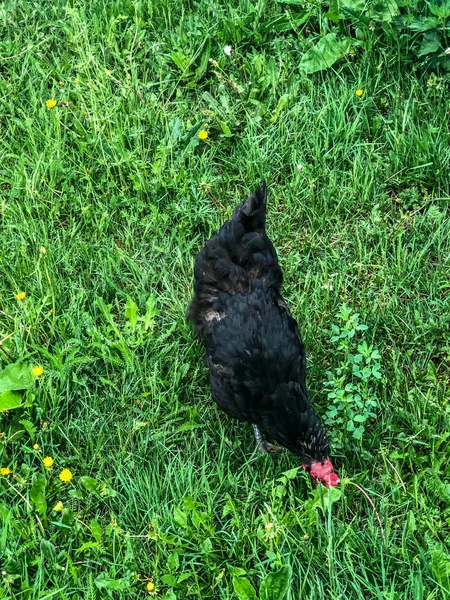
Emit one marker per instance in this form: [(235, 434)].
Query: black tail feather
[(253, 212)]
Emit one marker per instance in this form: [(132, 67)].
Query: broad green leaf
[(321, 498), (282, 103), (440, 9), (236, 571), (225, 129), (333, 13), (37, 493), (180, 517), (431, 43), (244, 589), (96, 530), (213, 104), (340, 9), (29, 428), (104, 581), (422, 24), (129, 559), (181, 60), (89, 546), (355, 6), (90, 484), (383, 10), (189, 504), (16, 377), (105, 490), (292, 473), (275, 585), (440, 565), (358, 433), (360, 418), (10, 400), (150, 313), (325, 53), (131, 312), (73, 493), (204, 62), (106, 310), (173, 562)]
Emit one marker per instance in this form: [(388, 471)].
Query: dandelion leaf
[(16, 377), (131, 312), (275, 585), (440, 565), (37, 493), (244, 589), (10, 400)]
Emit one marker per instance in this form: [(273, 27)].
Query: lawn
[(105, 198)]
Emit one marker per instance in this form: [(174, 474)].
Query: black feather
[(255, 354)]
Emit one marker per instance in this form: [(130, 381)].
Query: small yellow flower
[(203, 134), (51, 103), (43, 250), (21, 296), (58, 506), (66, 475), (37, 371), (36, 447), (5, 471), (48, 461), (61, 83), (150, 587), (359, 93)]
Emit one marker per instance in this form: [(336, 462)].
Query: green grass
[(117, 187)]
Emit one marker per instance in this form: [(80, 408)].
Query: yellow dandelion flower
[(37, 371), (203, 134), (5, 471), (65, 475), (359, 93), (48, 462), (150, 587), (21, 296), (58, 506), (36, 447), (51, 103)]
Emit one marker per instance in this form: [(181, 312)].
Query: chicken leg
[(262, 444)]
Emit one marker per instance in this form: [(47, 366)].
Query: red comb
[(324, 472)]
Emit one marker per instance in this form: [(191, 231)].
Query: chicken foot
[(262, 444)]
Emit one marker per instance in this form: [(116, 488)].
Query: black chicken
[(254, 351)]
